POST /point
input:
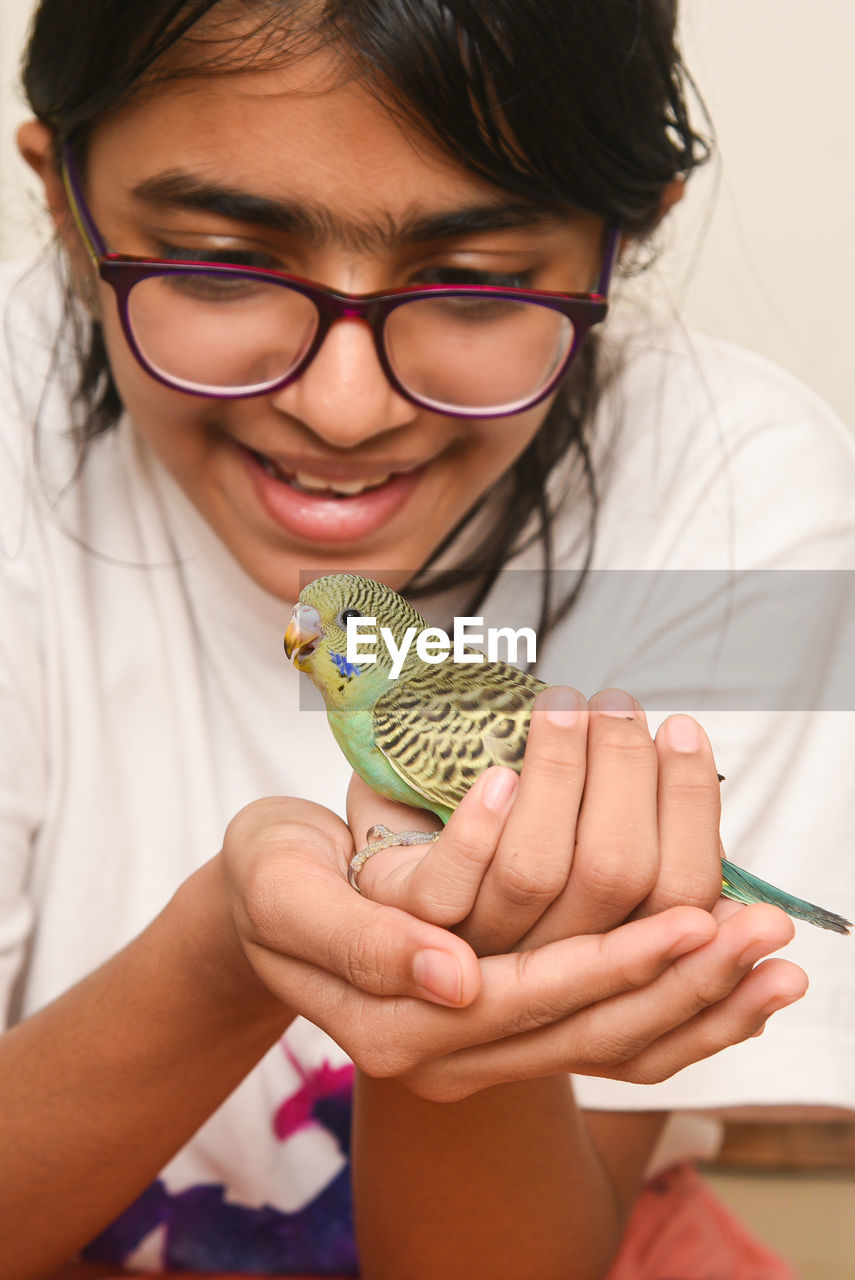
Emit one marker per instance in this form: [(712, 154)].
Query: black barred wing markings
[(439, 729)]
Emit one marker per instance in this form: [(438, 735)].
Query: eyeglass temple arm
[(610, 254), (95, 246)]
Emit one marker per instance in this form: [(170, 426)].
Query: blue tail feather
[(744, 887)]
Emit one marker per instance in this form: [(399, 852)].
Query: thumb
[(316, 916)]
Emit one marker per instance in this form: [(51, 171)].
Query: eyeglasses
[(232, 331)]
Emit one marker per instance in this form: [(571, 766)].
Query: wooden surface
[(815, 1146)]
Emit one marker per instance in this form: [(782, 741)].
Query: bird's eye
[(348, 613)]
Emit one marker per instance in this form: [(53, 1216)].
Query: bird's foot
[(380, 837)]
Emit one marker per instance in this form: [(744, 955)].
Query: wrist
[(215, 955)]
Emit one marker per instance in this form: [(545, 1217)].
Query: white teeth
[(317, 484), (305, 481), (348, 488)]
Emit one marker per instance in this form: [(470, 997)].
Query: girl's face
[(357, 476)]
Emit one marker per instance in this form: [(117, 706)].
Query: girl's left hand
[(604, 824)]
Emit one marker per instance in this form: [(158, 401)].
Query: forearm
[(104, 1085), (508, 1182)]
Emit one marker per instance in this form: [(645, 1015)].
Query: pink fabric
[(678, 1230)]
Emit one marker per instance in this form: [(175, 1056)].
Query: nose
[(344, 397)]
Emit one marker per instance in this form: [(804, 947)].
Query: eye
[(469, 275), (348, 613)]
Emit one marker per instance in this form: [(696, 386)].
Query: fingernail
[(499, 787), (562, 706), (615, 702), (682, 733), (440, 975)]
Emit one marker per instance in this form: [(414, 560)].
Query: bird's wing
[(441, 727)]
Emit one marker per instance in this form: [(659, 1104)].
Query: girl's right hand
[(638, 1002)]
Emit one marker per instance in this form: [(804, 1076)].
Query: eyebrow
[(176, 189)]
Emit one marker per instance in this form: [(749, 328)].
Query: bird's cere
[(434, 645)]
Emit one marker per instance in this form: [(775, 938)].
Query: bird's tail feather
[(743, 887)]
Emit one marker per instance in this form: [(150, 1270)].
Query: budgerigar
[(424, 737)]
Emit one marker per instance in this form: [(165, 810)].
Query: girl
[(212, 410)]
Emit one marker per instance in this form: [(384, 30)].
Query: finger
[(689, 810), (604, 1037), (440, 882), (298, 903), (742, 1014), (616, 860), (383, 876), (698, 980), (520, 992), (444, 885), (765, 990), (532, 863)]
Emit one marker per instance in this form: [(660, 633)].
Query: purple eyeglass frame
[(122, 271)]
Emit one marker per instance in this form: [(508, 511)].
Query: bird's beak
[(303, 635)]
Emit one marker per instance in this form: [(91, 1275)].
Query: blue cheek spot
[(344, 667)]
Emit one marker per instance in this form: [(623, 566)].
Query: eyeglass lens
[(209, 332)]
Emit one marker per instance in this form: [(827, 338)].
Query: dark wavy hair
[(575, 104)]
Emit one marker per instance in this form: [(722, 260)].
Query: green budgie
[(423, 737)]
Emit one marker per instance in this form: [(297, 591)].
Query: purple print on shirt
[(203, 1231)]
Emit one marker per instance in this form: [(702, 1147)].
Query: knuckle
[(358, 955), (471, 846), (380, 1050), (627, 742), (436, 1083), (709, 989), (549, 761), (697, 887), (646, 1071), (609, 1048), (445, 909), (261, 901), (694, 795), (380, 1061), (523, 883), (611, 874)]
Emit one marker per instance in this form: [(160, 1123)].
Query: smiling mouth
[(318, 486)]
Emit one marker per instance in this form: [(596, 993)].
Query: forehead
[(305, 132)]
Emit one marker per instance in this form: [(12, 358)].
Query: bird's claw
[(380, 837)]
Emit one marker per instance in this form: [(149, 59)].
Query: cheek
[(497, 443), (173, 424)]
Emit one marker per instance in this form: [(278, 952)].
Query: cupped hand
[(638, 1002), (603, 824), (285, 864)]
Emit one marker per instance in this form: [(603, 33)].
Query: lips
[(337, 507)]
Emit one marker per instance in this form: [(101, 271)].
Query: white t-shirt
[(145, 698)]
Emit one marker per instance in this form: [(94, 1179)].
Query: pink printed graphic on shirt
[(300, 1110)]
